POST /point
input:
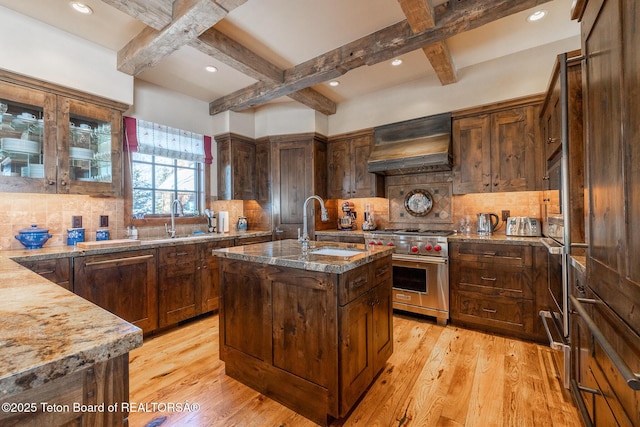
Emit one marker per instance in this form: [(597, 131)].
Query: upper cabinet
[(236, 167), (56, 140), (347, 157), (497, 148)]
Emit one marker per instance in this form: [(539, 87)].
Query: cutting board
[(108, 243)]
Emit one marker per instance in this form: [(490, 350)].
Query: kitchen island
[(310, 331)]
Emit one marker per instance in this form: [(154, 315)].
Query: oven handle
[(420, 259)]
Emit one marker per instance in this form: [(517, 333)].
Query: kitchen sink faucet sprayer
[(324, 216), (172, 232)]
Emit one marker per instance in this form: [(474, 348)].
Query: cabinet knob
[(51, 182), (551, 140), (63, 183), (546, 177)]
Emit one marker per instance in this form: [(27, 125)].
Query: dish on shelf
[(22, 122), (20, 145), (36, 171), (80, 153)]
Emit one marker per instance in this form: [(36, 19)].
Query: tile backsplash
[(54, 212)]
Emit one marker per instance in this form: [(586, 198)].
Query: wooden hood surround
[(172, 24)]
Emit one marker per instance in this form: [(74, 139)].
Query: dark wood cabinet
[(496, 148), (236, 167), (321, 337), (611, 83), (298, 170), (263, 171), (493, 287), (123, 283), (347, 175), (340, 238), (209, 280), (57, 270), (69, 143), (178, 293)]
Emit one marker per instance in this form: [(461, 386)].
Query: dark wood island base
[(312, 340)]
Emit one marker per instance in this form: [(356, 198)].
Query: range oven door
[(421, 285)]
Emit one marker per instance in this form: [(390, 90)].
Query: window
[(164, 164), (157, 181)]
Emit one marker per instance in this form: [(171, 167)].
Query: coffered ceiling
[(272, 50)]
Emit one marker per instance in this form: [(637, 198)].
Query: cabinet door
[(472, 155), (363, 183), (356, 357), (339, 167), (244, 161), (123, 283), (382, 340), (263, 172), (89, 148), (56, 270), (209, 278), (28, 140), (177, 277), (513, 149)]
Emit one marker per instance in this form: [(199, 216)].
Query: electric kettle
[(486, 225)]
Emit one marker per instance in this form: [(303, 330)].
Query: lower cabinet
[(123, 283), (57, 270), (314, 341), (209, 281), (178, 296), (341, 238), (493, 288)]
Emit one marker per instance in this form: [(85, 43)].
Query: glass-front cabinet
[(51, 142)]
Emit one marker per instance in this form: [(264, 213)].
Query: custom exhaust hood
[(414, 146)]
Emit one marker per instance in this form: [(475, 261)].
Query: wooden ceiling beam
[(420, 16), (157, 15), (451, 18), (190, 18)]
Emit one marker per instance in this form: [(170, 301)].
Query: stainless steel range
[(420, 269)]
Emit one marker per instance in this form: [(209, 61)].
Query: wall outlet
[(104, 220), (76, 222), (506, 215)]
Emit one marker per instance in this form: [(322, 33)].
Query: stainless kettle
[(486, 225)]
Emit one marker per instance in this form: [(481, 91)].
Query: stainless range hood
[(414, 146)]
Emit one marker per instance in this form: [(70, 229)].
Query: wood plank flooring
[(437, 376)]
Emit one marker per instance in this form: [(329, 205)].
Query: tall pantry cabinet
[(606, 379)]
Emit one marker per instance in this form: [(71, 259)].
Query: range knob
[(414, 249), (437, 248), (390, 244), (371, 242), (427, 247), (379, 243)]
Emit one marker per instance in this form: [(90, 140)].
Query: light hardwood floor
[(437, 376)]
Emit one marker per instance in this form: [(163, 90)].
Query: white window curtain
[(160, 140)]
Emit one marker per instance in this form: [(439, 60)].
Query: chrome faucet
[(324, 217), (172, 231)]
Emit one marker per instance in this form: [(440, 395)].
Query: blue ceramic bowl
[(33, 237)]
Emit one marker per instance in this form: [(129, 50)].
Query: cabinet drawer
[(382, 269), (488, 279), (495, 313), (251, 240), (496, 254), (178, 255), (354, 283)]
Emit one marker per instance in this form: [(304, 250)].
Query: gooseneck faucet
[(324, 216), (172, 232)]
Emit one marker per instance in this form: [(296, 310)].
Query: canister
[(75, 235), (242, 223), (102, 234)]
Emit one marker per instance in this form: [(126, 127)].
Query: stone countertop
[(288, 253), (496, 238), (51, 252), (48, 332), (358, 233)]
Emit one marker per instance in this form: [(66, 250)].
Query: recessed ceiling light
[(334, 83), (537, 15), (81, 7), (211, 68), (396, 62)]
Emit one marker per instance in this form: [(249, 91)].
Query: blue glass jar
[(242, 223)]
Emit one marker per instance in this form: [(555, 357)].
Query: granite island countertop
[(288, 253)]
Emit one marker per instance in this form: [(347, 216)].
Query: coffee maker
[(348, 219)]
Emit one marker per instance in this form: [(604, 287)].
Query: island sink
[(339, 252)]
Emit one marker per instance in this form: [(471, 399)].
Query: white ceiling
[(287, 32)]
